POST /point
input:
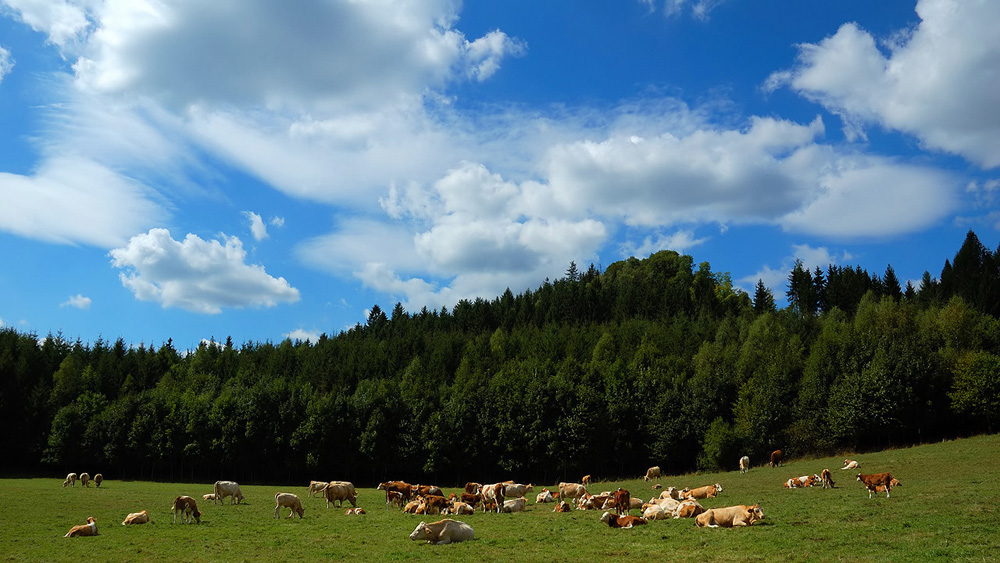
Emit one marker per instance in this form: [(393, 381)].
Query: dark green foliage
[(651, 362)]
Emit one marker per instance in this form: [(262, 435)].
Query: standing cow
[(289, 501), (652, 473), (339, 491), (744, 464), (776, 457), (225, 489)]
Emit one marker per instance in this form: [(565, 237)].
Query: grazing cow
[(70, 480), (354, 511), (689, 508), (412, 506), (401, 487), (98, 479), (339, 491), (225, 489), (459, 507), (136, 518), (850, 464), (776, 457), (615, 521), (563, 506), (744, 464), (88, 529), (585, 480), (652, 473), (85, 479), (708, 491), (443, 531), (514, 505), (544, 496), (316, 487), (623, 500), (873, 480), (827, 478), (187, 508), (893, 483), (739, 515), (516, 490), (654, 512), (494, 494), (289, 501), (473, 488), (209, 496), (571, 491)]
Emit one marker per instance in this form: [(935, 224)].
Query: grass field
[(946, 510)]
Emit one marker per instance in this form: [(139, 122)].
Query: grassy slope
[(945, 510)]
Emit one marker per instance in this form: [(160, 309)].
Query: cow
[(136, 518), (209, 496), (653, 512), (850, 464), (892, 483), (563, 506), (412, 506), (792, 483), (744, 464), (316, 487), (516, 490), (88, 529), (514, 505), (495, 494), (776, 457), (571, 491), (473, 488), (339, 491), (827, 479), (873, 480), (585, 480), (187, 508), (395, 498), (459, 507), (98, 479), (472, 499), (667, 504), (731, 516), (289, 501), (401, 487), (354, 511), (225, 489), (708, 491), (433, 504), (623, 500), (689, 508), (673, 492), (544, 496), (427, 490), (85, 479), (70, 480), (615, 521), (443, 531), (656, 486), (652, 473)]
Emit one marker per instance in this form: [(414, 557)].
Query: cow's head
[(718, 488)]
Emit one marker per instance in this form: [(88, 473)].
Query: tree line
[(649, 362)]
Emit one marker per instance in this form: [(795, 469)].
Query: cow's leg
[(276, 508)]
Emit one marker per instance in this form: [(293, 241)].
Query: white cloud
[(197, 275), (303, 335), (680, 241), (937, 82), (6, 63), (777, 279), (700, 9), (78, 301), (257, 226), (277, 221), (65, 23)]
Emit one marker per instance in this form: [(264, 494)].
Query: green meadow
[(946, 510)]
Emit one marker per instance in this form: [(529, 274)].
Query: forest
[(654, 361)]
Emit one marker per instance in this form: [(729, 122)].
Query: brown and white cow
[(873, 480), (412, 506), (187, 508), (459, 507), (208, 496), (850, 464), (70, 480), (339, 491), (472, 487), (427, 490), (708, 491), (563, 506), (225, 489), (136, 518), (443, 532), (623, 500), (652, 473), (544, 496), (731, 516), (494, 494), (401, 487), (585, 480), (616, 521), (82, 530), (673, 492), (571, 491), (689, 508), (893, 483), (354, 511), (776, 457), (433, 504), (827, 479), (289, 501)]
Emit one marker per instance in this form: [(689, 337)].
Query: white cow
[(289, 501), (514, 505), (443, 531), (744, 464), (225, 489), (70, 480)]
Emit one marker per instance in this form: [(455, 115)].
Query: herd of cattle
[(509, 497)]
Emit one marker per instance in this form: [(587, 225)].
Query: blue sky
[(190, 170)]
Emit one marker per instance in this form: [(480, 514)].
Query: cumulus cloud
[(6, 63), (776, 279), (303, 335), (937, 82), (257, 226), (680, 241), (77, 301), (197, 275)]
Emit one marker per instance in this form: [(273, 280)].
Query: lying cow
[(70, 480), (88, 529), (708, 491), (873, 480), (654, 512), (225, 489), (289, 501), (689, 508), (673, 493), (850, 464), (443, 531), (459, 507), (136, 518), (355, 511), (412, 506), (187, 508), (514, 505), (892, 483), (339, 491), (652, 473), (616, 521), (209, 496), (563, 506), (731, 516), (544, 496)]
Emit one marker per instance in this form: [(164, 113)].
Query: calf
[(615, 521), (494, 494), (873, 480), (289, 501), (187, 508), (827, 478), (544, 496), (894, 482), (88, 529)]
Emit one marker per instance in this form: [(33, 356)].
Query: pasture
[(945, 510)]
